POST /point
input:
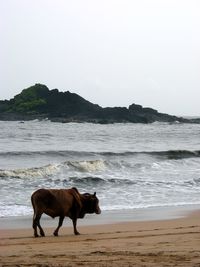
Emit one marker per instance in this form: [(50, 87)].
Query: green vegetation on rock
[(30, 100)]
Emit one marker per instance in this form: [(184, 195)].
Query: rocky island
[(38, 102)]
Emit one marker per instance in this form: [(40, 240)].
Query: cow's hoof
[(77, 233), (42, 234), (36, 235), (55, 234)]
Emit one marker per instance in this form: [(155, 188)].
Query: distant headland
[(38, 102)]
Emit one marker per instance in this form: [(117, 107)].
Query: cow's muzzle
[(98, 211)]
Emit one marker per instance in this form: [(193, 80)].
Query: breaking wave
[(87, 166), (31, 172), (51, 169), (100, 180), (178, 154), (108, 161), (169, 154)]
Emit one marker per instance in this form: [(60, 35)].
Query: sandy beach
[(173, 242)]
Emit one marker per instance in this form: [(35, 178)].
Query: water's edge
[(106, 217)]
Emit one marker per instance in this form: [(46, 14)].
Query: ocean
[(129, 166)]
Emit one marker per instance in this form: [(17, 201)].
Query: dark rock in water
[(38, 102)]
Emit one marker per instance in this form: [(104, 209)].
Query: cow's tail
[(33, 204)]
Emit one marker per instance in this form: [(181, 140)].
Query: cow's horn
[(94, 194)]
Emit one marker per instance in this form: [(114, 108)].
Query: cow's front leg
[(59, 225), (74, 224)]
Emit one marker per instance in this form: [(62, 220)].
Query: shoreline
[(106, 217), (166, 242)]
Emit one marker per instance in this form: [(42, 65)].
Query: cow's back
[(53, 202)]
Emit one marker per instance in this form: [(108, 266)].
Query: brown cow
[(61, 203)]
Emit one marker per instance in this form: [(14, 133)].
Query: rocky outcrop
[(38, 102)]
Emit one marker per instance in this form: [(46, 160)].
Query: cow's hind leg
[(35, 226), (36, 223), (40, 227), (59, 225)]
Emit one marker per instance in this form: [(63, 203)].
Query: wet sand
[(173, 242)]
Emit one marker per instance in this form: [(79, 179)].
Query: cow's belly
[(52, 213)]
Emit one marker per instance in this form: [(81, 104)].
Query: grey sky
[(111, 52)]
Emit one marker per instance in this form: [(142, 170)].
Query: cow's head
[(91, 203)]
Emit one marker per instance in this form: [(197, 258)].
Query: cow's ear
[(94, 194)]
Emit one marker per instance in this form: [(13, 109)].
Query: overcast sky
[(111, 52)]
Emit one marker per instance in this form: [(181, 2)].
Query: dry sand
[(174, 242)]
